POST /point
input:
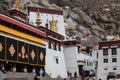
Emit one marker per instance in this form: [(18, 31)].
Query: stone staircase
[(19, 76), (16, 79), (27, 76)]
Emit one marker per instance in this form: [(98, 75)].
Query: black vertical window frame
[(59, 47), (49, 44), (78, 49), (105, 52), (97, 55), (105, 60), (9, 42), (88, 49), (57, 61), (2, 47), (114, 52), (114, 59), (54, 46)]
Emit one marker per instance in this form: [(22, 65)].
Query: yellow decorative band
[(20, 34)]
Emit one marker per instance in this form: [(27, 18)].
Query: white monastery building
[(29, 43), (108, 65), (77, 58), (51, 22), (59, 59)]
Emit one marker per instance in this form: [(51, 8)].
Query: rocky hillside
[(89, 21)]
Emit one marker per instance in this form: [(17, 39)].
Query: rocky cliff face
[(89, 21)]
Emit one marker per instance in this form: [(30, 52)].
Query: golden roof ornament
[(30, 4), (53, 25), (117, 37), (38, 20)]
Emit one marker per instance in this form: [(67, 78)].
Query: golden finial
[(117, 37), (38, 20), (17, 5), (30, 4), (53, 25)]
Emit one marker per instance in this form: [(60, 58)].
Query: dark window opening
[(97, 55), (105, 52), (78, 49), (105, 68), (114, 52), (57, 61), (105, 60), (54, 46), (49, 44), (59, 47), (114, 59), (114, 68)]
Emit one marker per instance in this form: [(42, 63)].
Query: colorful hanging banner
[(41, 56), (18, 51), (32, 54), (23, 52), (11, 47)]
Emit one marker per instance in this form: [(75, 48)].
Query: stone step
[(20, 76), (16, 79)]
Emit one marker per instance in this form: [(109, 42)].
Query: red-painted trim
[(51, 33), (43, 10), (71, 42), (20, 14), (20, 24), (109, 44)]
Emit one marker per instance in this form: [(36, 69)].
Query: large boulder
[(87, 20)]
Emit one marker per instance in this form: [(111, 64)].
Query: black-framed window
[(106, 68), (105, 52), (54, 46), (78, 49), (114, 52), (97, 55), (59, 47), (105, 60), (56, 59), (114, 67), (114, 59), (49, 44)]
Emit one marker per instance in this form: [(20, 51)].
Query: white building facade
[(75, 60), (107, 60), (59, 59), (52, 23)]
